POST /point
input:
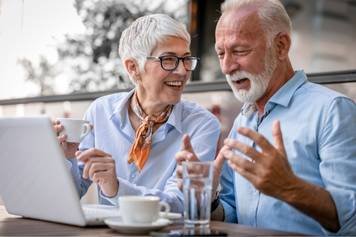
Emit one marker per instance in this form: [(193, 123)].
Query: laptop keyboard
[(95, 214)]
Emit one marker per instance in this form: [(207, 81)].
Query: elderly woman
[(136, 135)]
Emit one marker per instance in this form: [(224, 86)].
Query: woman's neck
[(150, 107)]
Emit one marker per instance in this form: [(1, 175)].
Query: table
[(15, 225)]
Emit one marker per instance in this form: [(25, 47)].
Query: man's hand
[(68, 147), (100, 168), (270, 173), (185, 154), (268, 170)]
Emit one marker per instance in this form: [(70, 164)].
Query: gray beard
[(258, 83)]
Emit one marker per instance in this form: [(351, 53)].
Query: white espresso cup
[(141, 209), (76, 129)]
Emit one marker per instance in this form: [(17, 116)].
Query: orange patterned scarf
[(141, 147)]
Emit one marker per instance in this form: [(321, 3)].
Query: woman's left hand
[(185, 154)]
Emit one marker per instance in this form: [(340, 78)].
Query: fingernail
[(228, 142)]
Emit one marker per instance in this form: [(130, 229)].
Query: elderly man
[(291, 154)]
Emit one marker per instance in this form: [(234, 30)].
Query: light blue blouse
[(114, 134)]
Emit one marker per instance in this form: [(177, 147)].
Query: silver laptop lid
[(35, 179)]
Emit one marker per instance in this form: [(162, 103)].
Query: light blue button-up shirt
[(319, 133), (114, 134)]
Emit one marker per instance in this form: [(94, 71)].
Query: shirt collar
[(119, 106), (284, 95), (175, 118)]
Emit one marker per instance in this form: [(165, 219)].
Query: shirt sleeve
[(338, 161), (76, 170), (204, 138)]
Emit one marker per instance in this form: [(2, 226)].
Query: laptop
[(35, 180)]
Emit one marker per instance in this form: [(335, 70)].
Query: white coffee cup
[(76, 129), (141, 209)]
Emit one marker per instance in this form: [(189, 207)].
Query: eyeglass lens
[(171, 62)]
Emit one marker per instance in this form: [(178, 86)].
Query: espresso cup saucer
[(118, 225), (170, 215)]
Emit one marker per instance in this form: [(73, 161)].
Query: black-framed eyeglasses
[(171, 62)]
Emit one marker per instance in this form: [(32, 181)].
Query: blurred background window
[(50, 47), (64, 46), (323, 37)]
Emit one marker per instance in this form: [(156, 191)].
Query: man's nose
[(229, 65)]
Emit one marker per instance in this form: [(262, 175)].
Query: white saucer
[(170, 215), (117, 224)]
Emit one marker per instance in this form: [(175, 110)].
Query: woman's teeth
[(174, 83)]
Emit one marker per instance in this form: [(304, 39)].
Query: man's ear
[(282, 42), (132, 68)]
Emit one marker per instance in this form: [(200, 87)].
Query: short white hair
[(274, 17), (143, 35)]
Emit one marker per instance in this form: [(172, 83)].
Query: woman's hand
[(68, 147), (100, 168), (185, 154)]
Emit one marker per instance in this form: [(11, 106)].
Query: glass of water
[(197, 186)]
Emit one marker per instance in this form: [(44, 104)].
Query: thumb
[(277, 136), (186, 145)]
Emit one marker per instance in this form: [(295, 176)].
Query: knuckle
[(265, 175), (230, 143), (259, 139), (259, 183), (235, 143), (94, 176), (93, 149), (245, 149), (94, 166), (185, 154), (90, 162), (245, 166)]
